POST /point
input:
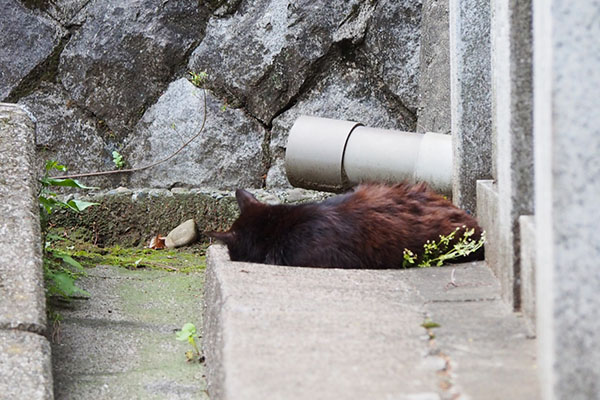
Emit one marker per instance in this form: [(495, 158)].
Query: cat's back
[(402, 213)]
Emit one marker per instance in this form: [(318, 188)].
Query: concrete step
[(120, 344), (291, 333)]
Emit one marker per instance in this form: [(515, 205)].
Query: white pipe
[(332, 155)]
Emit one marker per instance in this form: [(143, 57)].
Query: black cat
[(368, 227)]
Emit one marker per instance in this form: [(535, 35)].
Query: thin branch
[(154, 164)]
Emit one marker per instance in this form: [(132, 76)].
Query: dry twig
[(154, 164)]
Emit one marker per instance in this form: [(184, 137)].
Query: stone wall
[(106, 75)]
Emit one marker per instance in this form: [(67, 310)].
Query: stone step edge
[(25, 360)]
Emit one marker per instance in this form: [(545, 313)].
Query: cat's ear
[(245, 200), (226, 237)]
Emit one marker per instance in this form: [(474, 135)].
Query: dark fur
[(367, 228)]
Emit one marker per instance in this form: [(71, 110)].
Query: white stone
[(182, 235)]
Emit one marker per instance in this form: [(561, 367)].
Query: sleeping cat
[(368, 227)]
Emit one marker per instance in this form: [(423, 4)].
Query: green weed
[(60, 269), (188, 332), (436, 253)]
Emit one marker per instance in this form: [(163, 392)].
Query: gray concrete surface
[(24, 353), (471, 109), (567, 189), (121, 343), (274, 332)]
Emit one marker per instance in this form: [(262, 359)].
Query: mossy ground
[(72, 242)]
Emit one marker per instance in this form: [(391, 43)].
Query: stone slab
[(22, 299), (120, 344), (488, 216), (273, 332), (528, 270), (25, 366)]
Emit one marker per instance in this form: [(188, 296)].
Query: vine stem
[(154, 164)]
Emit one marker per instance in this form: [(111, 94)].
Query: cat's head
[(245, 239)]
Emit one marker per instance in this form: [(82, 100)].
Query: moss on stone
[(120, 220)]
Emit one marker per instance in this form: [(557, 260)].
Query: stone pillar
[(567, 193), (470, 84), (512, 112)]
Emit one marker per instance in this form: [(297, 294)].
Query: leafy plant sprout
[(118, 159), (60, 269), (188, 332), (436, 253), (198, 78)]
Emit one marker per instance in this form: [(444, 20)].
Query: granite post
[(470, 84), (512, 111), (567, 189)]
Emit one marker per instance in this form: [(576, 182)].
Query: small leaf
[(50, 164), (81, 205), (64, 284), (47, 203), (68, 182), (69, 260), (187, 331)]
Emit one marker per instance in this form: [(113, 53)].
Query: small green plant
[(445, 249), (118, 159), (188, 332), (198, 79), (429, 324), (60, 269)]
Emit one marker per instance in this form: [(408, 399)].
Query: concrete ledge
[(273, 332), (305, 333), (25, 366), (22, 299)]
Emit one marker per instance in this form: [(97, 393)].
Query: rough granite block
[(567, 189), (22, 299), (471, 109), (25, 366), (434, 69)]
